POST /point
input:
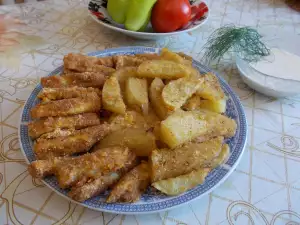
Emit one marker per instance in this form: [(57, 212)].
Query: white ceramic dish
[(267, 84), (98, 11)]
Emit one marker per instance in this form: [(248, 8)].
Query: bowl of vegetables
[(149, 19)]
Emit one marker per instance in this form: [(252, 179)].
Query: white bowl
[(267, 84), (98, 11)]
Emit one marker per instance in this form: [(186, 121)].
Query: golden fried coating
[(148, 56), (93, 165), (65, 107), (81, 141), (221, 158), (166, 163), (49, 94), (71, 79), (132, 185), (94, 187), (50, 124), (81, 63), (99, 185), (127, 60), (58, 133), (42, 168)]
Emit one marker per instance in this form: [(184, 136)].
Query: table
[(265, 187)]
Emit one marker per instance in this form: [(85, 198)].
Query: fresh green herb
[(244, 40)]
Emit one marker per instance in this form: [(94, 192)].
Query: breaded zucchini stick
[(99, 185), (71, 79), (81, 63), (166, 163), (42, 168), (66, 107), (49, 94), (93, 165), (132, 185), (81, 141), (50, 124)]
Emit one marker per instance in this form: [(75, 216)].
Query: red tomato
[(170, 15)]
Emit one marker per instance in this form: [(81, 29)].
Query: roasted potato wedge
[(211, 88), (141, 142), (123, 74), (129, 119), (193, 103), (172, 56), (183, 126), (183, 183), (218, 106), (156, 100), (112, 97), (177, 92), (163, 69), (137, 93), (167, 163)]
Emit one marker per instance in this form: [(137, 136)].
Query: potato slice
[(142, 143), (156, 100), (177, 92), (183, 126), (163, 69), (172, 56), (167, 163), (183, 183), (137, 93), (211, 88), (122, 75), (193, 103), (218, 106), (111, 96), (129, 119)]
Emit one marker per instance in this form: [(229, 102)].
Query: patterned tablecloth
[(263, 190)]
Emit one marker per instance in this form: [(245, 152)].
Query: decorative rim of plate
[(115, 27), (214, 179)]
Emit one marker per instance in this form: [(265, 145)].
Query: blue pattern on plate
[(152, 200)]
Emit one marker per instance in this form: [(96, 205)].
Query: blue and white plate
[(152, 201)]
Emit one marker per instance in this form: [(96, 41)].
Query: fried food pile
[(129, 121)]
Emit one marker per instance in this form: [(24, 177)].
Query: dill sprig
[(244, 40)]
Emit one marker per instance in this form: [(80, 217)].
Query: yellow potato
[(183, 126), (156, 100), (172, 56), (163, 69), (137, 93), (129, 119), (151, 118), (183, 183), (111, 96), (193, 103), (177, 92), (123, 73), (170, 163), (218, 106), (211, 89), (136, 139)]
